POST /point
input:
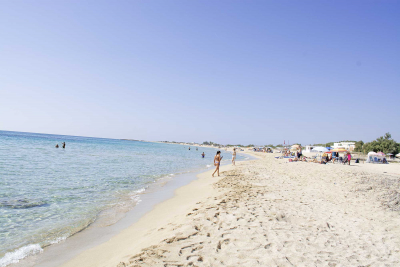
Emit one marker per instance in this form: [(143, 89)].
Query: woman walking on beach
[(234, 157), (217, 162)]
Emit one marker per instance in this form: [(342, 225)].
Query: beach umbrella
[(320, 149), (339, 150), (296, 147), (398, 155), (381, 154)]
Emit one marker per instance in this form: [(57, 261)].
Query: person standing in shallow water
[(203, 155), (217, 162), (63, 145)]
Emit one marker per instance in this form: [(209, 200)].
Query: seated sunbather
[(345, 160), (323, 160)]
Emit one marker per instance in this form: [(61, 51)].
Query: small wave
[(19, 254), (58, 240), (141, 190), (21, 204), (136, 195)]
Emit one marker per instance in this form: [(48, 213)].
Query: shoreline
[(182, 198), (265, 212), (101, 230)]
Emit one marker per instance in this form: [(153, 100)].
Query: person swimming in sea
[(203, 155), (63, 145), (57, 146), (217, 162), (189, 148)]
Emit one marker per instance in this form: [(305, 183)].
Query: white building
[(308, 149), (346, 145)]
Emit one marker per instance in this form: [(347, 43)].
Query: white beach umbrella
[(295, 147), (320, 149)]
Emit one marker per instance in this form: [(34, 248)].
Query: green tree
[(359, 146), (323, 145), (384, 143), (330, 144)]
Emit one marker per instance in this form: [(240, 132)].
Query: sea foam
[(19, 254)]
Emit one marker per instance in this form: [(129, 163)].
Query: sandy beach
[(267, 212)]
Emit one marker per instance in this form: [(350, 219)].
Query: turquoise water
[(47, 193)]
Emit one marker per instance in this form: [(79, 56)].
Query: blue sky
[(227, 71)]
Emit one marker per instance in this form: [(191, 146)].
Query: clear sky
[(227, 71)]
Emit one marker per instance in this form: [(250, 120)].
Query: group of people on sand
[(63, 145), (325, 158)]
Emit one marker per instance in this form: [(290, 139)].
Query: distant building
[(346, 145), (308, 149)]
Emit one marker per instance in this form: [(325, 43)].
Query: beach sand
[(267, 212)]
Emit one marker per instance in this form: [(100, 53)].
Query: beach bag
[(357, 161)]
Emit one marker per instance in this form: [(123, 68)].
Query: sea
[(48, 194)]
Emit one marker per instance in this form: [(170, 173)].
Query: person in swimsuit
[(217, 162), (233, 156), (63, 145), (348, 157), (203, 155), (57, 146)]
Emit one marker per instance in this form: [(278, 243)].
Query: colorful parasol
[(339, 150)]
